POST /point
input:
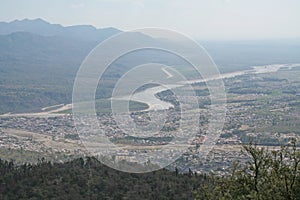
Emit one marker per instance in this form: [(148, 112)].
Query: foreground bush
[(268, 175)]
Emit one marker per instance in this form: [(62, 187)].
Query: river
[(148, 96)]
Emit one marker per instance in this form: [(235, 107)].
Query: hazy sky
[(201, 19)]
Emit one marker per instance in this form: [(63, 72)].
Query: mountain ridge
[(44, 28), (39, 60)]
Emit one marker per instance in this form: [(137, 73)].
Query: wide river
[(148, 96)]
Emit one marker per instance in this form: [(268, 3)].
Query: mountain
[(39, 60), (28, 47), (38, 70), (43, 28)]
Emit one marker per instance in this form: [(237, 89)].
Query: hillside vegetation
[(267, 175)]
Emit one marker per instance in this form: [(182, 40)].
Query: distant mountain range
[(43, 28), (39, 60)]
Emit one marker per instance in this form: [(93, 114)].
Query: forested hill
[(37, 71), (267, 175), (89, 179), (39, 61)]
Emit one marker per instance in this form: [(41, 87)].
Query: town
[(263, 109)]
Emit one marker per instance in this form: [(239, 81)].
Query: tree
[(268, 175)]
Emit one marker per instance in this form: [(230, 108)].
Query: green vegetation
[(104, 106), (267, 175), (89, 179)]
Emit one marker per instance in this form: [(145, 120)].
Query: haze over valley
[(205, 104), (39, 60)]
